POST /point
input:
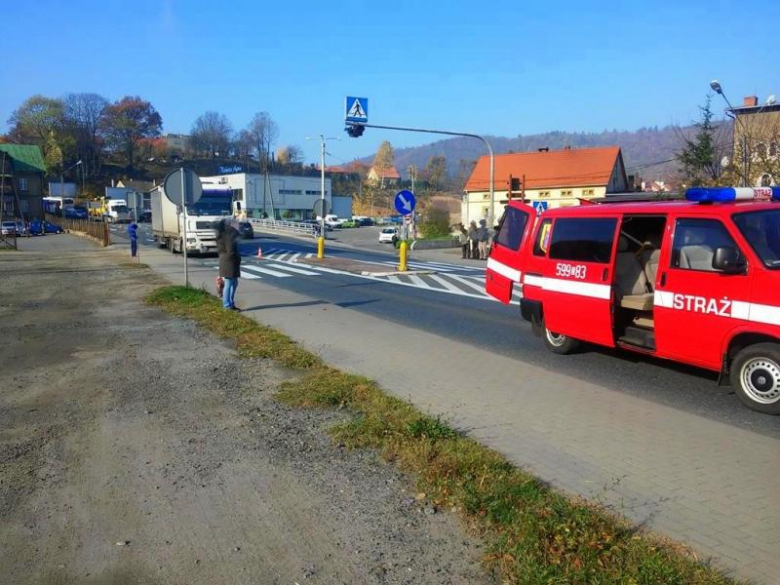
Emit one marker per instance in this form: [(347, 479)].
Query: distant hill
[(642, 149)]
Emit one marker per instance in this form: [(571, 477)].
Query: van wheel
[(755, 376), (557, 343)]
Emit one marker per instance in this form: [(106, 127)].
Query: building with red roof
[(558, 178), (388, 176)]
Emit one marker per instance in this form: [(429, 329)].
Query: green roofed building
[(22, 169)]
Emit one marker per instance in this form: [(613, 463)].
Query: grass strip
[(534, 534)]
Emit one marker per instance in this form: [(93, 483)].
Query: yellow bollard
[(320, 248), (402, 265)]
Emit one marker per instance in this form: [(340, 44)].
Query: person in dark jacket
[(229, 262), (132, 232)]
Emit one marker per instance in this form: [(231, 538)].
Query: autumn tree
[(264, 132), (244, 146), (436, 170), (465, 168), (39, 120), (212, 133), (384, 161), (289, 156), (129, 120)]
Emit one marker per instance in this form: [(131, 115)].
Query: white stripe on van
[(503, 270)]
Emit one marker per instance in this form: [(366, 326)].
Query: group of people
[(474, 241)]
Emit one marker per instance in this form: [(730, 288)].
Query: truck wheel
[(557, 343), (755, 376)]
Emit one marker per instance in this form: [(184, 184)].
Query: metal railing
[(279, 225)]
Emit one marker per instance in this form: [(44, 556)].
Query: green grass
[(534, 534)]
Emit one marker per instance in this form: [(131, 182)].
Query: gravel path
[(136, 448)]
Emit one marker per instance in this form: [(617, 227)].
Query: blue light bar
[(725, 194)]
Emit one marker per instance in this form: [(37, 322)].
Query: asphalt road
[(492, 326)]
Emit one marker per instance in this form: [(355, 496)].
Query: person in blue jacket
[(132, 232)]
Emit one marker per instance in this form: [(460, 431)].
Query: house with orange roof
[(561, 178), (388, 176)]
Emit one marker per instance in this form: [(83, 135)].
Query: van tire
[(755, 376), (560, 344)]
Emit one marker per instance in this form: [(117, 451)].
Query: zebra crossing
[(438, 277)]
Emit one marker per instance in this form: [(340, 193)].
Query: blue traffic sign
[(356, 109), (405, 202), (539, 206)]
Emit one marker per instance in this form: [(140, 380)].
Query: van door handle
[(663, 279), (605, 274)]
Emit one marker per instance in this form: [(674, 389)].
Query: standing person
[(473, 244), (132, 232), (463, 240), (482, 239), (229, 263)]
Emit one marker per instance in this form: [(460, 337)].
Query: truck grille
[(204, 225)]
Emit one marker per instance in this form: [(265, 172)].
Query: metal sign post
[(182, 188)]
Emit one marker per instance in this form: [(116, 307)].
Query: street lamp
[(62, 181), (771, 100), (321, 239)]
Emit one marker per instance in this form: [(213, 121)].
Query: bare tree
[(84, 113), (264, 133), (212, 132)]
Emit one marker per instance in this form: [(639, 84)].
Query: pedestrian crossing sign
[(356, 109)]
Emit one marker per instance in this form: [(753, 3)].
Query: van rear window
[(510, 231), (583, 239)]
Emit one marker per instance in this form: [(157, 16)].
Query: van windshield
[(762, 231)]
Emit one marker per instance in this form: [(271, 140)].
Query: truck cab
[(691, 281)]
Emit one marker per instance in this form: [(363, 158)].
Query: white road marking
[(294, 269), (468, 283), (249, 275), (446, 284), (418, 281), (268, 271)]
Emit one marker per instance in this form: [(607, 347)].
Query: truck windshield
[(211, 205), (120, 208), (762, 231)]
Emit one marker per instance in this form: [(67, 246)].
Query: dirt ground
[(136, 448)]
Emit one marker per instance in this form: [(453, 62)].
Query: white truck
[(215, 204), (116, 211)]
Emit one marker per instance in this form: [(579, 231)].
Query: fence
[(276, 225), (84, 227)]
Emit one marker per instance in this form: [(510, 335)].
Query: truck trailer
[(215, 204)]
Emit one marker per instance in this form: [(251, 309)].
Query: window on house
[(22, 184), (543, 194), (587, 192), (583, 240), (566, 193)]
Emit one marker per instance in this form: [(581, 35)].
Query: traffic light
[(355, 130)]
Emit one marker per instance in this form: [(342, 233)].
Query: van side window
[(510, 230), (695, 242), (542, 243), (583, 239)]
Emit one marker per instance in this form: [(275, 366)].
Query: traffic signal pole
[(491, 216)]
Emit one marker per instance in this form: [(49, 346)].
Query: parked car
[(388, 235), (37, 228), (76, 212), (317, 223), (365, 221), (245, 229), (8, 228), (350, 223), (333, 221), (22, 228)]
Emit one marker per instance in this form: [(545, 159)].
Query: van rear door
[(577, 278), (503, 266)]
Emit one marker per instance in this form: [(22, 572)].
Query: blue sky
[(502, 68)]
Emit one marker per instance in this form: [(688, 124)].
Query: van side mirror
[(728, 260)]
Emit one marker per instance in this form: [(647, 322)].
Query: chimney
[(750, 101)]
